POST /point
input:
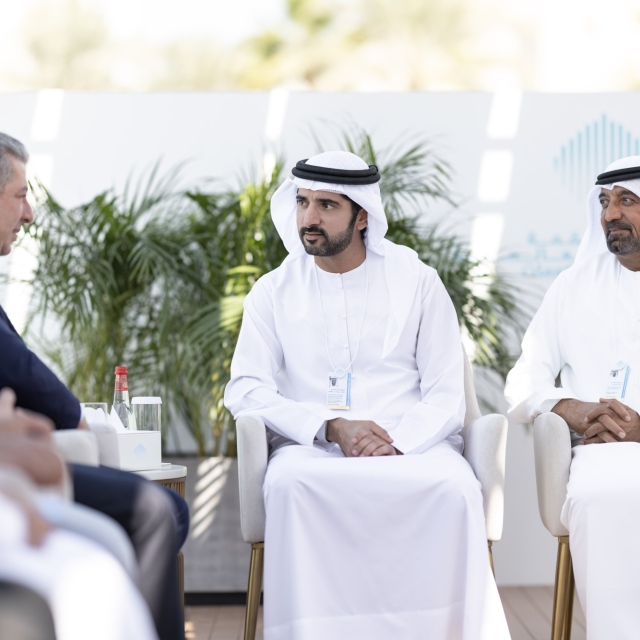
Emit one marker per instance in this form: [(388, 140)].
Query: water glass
[(146, 411), (95, 412)]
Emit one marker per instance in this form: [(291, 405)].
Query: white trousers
[(388, 548), (602, 514), (88, 591)]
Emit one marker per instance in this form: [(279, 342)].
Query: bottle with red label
[(121, 404)]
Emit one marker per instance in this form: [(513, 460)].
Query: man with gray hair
[(587, 332), (154, 517), (14, 205)]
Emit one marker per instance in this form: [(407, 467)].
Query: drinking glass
[(95, 412), (146, 411)]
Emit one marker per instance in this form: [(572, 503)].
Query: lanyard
[(339, 371)]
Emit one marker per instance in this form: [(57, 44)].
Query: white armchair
[(552, 450), (485, 439)]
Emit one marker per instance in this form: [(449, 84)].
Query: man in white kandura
[(588, 331), (350, 351)]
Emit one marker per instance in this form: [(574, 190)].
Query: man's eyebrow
[(626, 192), (327, 201)]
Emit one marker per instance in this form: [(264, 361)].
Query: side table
[(172, 476)]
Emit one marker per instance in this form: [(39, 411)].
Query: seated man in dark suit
[(155, 518)]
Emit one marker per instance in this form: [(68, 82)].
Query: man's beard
[(331, 246), (621, 243)]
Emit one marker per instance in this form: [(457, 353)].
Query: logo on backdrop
[(542, 258), (587, 153)]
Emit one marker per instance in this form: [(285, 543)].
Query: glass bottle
[(121, 404)]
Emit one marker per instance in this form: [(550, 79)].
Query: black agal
[(619, 175), (337, 176)]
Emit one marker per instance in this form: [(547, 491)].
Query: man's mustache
[(616, 225), (312, 229)]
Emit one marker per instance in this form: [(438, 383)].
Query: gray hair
[(10, 147)]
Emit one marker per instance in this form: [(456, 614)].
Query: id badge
[(617, 383), (339, 391)]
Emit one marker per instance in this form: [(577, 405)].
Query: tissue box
[(140, 450)]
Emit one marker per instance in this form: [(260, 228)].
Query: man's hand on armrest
[(574, 413), (360, 438), (612, 421), (606, 421)]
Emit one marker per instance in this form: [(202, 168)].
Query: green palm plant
[(118, 274)]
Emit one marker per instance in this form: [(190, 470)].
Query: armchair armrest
[(252, 467), (485, 448), (107, 438), (552, 451), (77, 445)]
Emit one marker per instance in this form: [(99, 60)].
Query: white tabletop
[(167, 472)]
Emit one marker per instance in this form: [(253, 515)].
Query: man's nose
[(613, 211), (27, 214), (311, 215)]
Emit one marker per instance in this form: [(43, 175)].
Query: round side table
[(172, 476)]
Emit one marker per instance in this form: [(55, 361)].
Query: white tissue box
[(140, 450)]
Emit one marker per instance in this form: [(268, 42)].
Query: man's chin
[(622, 246), (5, 249)]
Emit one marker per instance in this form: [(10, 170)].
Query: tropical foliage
[(155, 279)]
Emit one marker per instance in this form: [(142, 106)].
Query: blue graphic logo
[(589, 152)]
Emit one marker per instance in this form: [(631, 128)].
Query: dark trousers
[(24, 615), (156, 520)]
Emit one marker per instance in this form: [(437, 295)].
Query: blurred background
[(325, 45)]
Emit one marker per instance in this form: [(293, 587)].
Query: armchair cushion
[(552, 450)]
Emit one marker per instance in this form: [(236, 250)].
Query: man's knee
[(285, 477), (602, 492), (153, 507)]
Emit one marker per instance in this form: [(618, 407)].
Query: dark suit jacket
[(37, 388)]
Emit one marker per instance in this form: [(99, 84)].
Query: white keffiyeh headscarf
[(283, 203), (402, 265), (594, 242)]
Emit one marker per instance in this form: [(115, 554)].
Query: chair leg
[(490, 546), (563, 595), (254, 589), (180, 561), (568, 615)]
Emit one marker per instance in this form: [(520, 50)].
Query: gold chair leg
[(568, 607), (254, 589), (180, 561), (563, 595), (490, 546)]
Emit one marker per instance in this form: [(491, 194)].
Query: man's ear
[(362, 220)]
